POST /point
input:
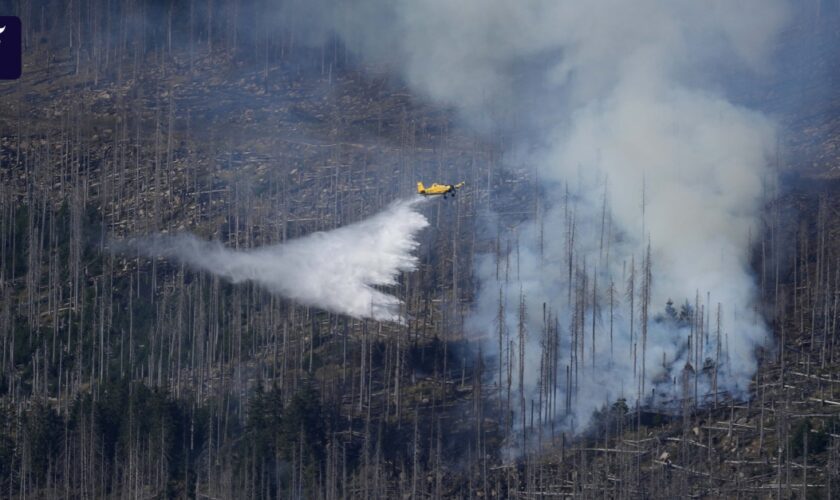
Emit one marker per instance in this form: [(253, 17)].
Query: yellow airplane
[(438, 189)]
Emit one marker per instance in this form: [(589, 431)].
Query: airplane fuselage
[(438, 189)]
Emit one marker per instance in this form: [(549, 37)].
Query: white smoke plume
[(336, 270), (623, 108)]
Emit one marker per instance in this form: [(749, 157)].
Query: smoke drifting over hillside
[(336, 270), (636, 143)]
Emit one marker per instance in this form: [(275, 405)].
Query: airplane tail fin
[(420, 188)]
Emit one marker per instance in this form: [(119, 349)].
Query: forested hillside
[(128, 376)]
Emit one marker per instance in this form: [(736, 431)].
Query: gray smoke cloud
[(336, 270), (612, 99)]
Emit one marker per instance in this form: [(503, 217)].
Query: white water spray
[(336, 270)]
